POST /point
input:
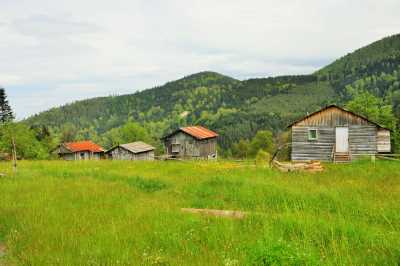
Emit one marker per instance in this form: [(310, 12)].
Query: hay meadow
[(129, 213)]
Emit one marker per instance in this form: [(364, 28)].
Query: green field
[(124, 213)]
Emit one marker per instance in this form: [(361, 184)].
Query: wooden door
[(342, 139)]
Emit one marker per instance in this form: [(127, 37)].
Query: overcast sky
[(54, 52)]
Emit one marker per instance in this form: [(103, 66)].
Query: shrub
[(263, 158), (147, 185)]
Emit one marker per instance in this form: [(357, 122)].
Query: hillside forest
[(251, 116)]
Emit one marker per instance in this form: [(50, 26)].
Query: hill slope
[(376, 64), (236, 109)]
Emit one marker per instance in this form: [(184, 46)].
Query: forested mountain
[(238, 109), (374, 67)]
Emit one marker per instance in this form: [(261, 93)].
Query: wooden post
[(14, 155)]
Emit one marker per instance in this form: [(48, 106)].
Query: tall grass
[(127, 213)]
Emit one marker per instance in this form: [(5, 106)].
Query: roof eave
[(331, 106)]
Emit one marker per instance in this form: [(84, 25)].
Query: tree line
[(38, 142)]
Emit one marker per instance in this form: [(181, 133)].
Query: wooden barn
[(193, 142), (136, 151), (338, 135), (81, 150)]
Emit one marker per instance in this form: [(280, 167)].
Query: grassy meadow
[(127, 213)]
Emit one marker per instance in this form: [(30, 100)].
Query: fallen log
[(312, 166), (217, 213)]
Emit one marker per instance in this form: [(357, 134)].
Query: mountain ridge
[(235, 108)]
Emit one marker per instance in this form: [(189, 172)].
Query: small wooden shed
[(136, 151), (335, 134), (81, 150), (193, 142)]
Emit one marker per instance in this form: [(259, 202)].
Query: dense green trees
[(373, 108), (27, 144), (209, 99), (366, 81), (130, 132), (377, 110), (260, 145), (31, 142), (6, 114)]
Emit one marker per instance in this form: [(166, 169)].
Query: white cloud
[(59, 51)]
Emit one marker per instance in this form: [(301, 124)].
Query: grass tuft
[(147, 185)]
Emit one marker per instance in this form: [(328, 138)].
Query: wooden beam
[(217, 213)]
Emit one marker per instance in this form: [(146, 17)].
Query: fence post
[(14, 155)]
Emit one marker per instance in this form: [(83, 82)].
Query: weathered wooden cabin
[(335, 134), (81, 150), (193, 142), (136, 151)]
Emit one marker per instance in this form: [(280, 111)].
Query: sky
[(56, 52)]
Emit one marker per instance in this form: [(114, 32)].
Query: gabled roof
[(83, 146), (135, 147), (344, 110), (198, 132)]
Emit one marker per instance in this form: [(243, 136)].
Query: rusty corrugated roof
[(199, 132), (83, 146)]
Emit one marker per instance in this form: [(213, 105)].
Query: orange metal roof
[(199, 132), (83, 146)]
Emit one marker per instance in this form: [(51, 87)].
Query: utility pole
[(14, 155)]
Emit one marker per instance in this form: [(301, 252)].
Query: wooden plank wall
[(383, 140), (362, 140), (332, 117), (365, 138), (191, 147), (208, 148), (145, 156), (122, 154), (320, 149)]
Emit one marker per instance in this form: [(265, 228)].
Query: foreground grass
[(125, 213)]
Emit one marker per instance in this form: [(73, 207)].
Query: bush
[(262, 158)]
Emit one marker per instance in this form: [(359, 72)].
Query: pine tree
[(6, 114)]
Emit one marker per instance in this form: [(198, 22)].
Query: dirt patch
[(2, 250)]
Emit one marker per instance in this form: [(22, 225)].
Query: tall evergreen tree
[(6, 114)]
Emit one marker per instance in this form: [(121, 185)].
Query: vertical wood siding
[(77, 156), (332, 117), (383, 140)]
